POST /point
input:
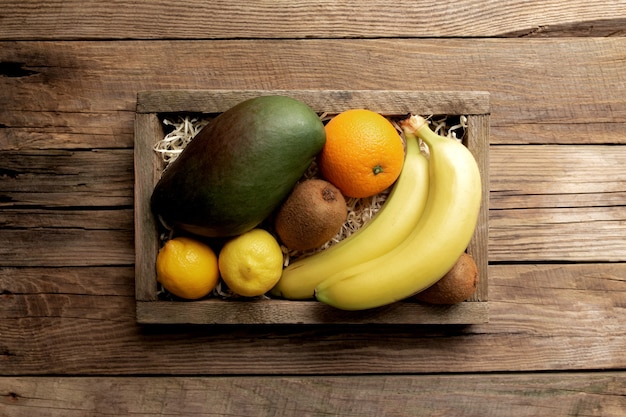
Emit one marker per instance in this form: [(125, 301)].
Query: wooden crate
[(148, 168)]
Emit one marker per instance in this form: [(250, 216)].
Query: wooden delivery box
[(152, 105)]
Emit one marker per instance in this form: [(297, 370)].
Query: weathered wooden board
[(74, 19), (601, 394), (148, 168), (555, 200), (67, 178), (306, 312), (82, 95), (557, 287), (388, 102), (542, 318)]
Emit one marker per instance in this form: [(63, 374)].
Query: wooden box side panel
[(331, 101), (215, 311), (147, 173), (478, 144)]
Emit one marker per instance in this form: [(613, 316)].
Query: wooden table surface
[(556, 340)]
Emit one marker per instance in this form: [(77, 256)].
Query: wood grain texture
[(478, 248), (69, 130), (148, 170), (92, 280), (555, 72), (260, 312), (572, 87), (538, 191), (547, 203), (601, 394), (542, 318), (221, 19), (67, 178), (387, 102)]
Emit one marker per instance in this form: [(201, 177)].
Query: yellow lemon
[(187, 268), (252, 263)]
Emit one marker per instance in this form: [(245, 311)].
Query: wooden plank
[(305, 312), (87, 308), (477, 131), (66, 236), (560, 234), (533, 173), (40, 218), (396, 102), (43, 344), (65, 130), (601, 394), (555, 202), (61, 247), (64, 178), (542, 317), (148, 170), (93, 280), (580, 83), (73, 19), (586, 132)]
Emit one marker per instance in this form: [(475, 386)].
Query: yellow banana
[(442, 235), (393, 222)]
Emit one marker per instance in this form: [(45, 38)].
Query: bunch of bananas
[(422, 229)]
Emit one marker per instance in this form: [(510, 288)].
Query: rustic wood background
[(555, 344)]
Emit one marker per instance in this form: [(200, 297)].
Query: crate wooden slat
[(305, 312), (332, 101), (148, 167)]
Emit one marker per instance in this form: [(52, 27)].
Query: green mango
[(240, 167)]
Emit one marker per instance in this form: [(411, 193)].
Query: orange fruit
[(187, 268), (363, 154)]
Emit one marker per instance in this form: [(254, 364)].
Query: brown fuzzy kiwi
[(456, 286), (312, 215)]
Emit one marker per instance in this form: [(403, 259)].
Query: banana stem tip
[(412, 123)]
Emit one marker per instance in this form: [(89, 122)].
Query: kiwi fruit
[(312, 215), (454, 287)]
